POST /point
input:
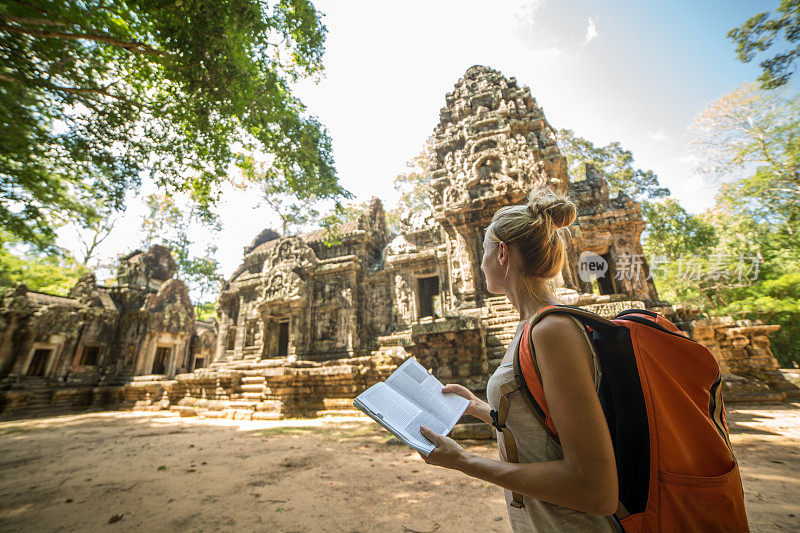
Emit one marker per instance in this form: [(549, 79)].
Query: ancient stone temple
[(77, 351), (304, 326)]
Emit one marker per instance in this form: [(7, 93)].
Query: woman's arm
[(586, 478)]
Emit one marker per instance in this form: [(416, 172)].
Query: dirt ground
[(143, 472)]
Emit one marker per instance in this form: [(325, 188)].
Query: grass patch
[(271, 432), (331, 432), (391, 440)]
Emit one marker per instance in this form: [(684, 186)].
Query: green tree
[(749, 128), (93, 93), (775, 301), (50, 273), (93, 234), (614, 162), (294, 210), (675, 242), (749, 137), (673, 232), (414, 188), (167, 224), (761, 32), (206, 311), (747, 141)]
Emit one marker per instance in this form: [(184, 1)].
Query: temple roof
[(43, 298)]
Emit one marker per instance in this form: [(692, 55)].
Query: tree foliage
[(748, 127), (775, 301), (750, 137), (93, 235), (167, 223), (614, 162), (414, 188), (761, 33), (50, 273), (413, 184), (93, 93), (295, 211), (673, 232), (748, 142), (206, 311)]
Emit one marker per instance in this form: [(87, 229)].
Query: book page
[(389, 405), (419, 386), (426, 419), (394, 412)]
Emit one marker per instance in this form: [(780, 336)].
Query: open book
[(411, 398)]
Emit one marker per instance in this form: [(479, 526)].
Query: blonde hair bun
[(557, 207), (532, 229)]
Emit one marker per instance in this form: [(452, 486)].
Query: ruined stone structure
[(76, 351), (304, 327)]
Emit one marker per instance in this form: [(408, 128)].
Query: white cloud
[(591, 32), (658, 136)]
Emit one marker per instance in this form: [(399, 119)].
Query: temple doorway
[(428, 293), (276, 337), (38, 365), (160, 361), (605, 284), (283, 339)]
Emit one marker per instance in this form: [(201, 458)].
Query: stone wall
[(306, 325), (265, 390), (77, 351)]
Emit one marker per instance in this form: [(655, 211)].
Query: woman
[(574, 487)]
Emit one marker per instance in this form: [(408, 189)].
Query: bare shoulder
[(556, 327), (559, 334)]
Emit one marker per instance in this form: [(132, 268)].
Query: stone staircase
[(253, 386), (500, 321), (339, 407)]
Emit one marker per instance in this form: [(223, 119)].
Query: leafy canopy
[(168, 223), (672, 232), (414, 188), (614, 162), (93, 93), (752, 137), (748, 141), (50, 273), (763, 32)]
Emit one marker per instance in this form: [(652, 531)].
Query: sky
[(629, 71)]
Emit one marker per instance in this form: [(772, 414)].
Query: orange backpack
[(661, 395)]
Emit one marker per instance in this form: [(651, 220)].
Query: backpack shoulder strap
[(526, 366), (499, 422)]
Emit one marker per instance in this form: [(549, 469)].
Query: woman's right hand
[(476, 407)]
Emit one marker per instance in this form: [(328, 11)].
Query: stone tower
[(491, 146)]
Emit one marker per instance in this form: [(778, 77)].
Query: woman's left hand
[(448, 453)]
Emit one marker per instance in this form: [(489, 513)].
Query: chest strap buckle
[(496, 420)]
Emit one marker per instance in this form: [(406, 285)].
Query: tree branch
[(71, 90), (32, 21), (133, 47)]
